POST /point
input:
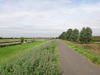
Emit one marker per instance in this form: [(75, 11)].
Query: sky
[(47, 18)]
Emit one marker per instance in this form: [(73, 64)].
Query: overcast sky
[(47, 18)]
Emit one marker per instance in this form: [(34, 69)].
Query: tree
[(75, 34), (62, 36), (85, 35), (82, 34), (68, 34), (88, 34), (22, 39)]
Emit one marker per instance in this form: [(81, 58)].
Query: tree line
[(84, 36)]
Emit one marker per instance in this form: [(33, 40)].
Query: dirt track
[(72, 63)]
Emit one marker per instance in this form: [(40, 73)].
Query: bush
[(22, 39)]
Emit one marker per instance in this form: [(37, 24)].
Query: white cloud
[(47, 18)]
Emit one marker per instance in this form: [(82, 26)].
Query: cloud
[(47, 17)]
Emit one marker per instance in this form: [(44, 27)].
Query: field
[(96, 38), (9, 52), (12, 40), (38, 58), (85, 50)]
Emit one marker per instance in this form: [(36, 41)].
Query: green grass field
[(38, 58), (92, 56), (7, 53)]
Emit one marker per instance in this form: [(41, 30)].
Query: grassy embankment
[(38, 58), (10, 52), (93, 46), (92, 56)]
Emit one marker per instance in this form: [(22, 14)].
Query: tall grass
[(92, 56), (40, 61)]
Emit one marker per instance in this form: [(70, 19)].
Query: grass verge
[(40, 61), (93, 57)]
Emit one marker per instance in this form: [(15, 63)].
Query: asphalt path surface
[(72, 63)]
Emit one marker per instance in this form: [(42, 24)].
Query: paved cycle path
[(72, 63)]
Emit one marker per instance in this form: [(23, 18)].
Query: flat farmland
[(96, 38), (12, 40)]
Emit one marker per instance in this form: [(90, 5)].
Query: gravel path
[(72, 63)]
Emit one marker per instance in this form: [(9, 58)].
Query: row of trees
[(84, 36)]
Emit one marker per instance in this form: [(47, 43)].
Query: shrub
[(22, 39)]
